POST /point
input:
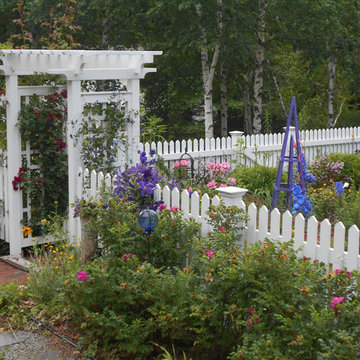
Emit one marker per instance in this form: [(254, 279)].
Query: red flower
[(53, 97), (14, 183), (50, 116), (64, 94), (36, 111)]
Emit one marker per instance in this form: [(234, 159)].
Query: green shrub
[(257, 179), (351, 167), (264, 302), (116, 225)]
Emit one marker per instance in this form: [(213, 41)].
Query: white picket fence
[(335, 246), (263, 149)]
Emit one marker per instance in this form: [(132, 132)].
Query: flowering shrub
[(42, 124), (116, 226), (237, 304), (326, 171)]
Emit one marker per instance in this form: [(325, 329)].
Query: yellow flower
[(33, 239), (26, 231), (71, 257), (44, 221)]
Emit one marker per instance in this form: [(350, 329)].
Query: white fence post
[(232, 195)]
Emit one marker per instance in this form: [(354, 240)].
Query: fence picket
[(324, 247), (287, 221), (175, 195), (299, 233), (353, 249), (337, 258), (166, 193), (275, 224), (263, 223), (185, 203), (311, 238)]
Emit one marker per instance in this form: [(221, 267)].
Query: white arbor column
[(13, 163), (133, 127), (74, 156)]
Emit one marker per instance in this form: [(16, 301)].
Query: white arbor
[(75, 66)]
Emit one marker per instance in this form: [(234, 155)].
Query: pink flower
[(176, 164), (251, 310), (82, 275), (190, 189), (225, 165), (174, 208), (223, 185), (350, 275), (199, 192), (162, 207), (249, 323), (184, 163), (212, 184), (337, 271), (210, 253), (211, 166), (336, 300), (232, 180), (222, 228), (127, 256)]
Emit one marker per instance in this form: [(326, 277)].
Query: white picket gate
[(335, 246)]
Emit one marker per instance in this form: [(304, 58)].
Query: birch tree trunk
[(247, 104), (208, 71), (259, 69), (331, 69), (223, 102), (105, 33)]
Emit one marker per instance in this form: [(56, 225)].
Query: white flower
[(346, 184)]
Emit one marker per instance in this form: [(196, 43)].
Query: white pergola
[(75, 66)]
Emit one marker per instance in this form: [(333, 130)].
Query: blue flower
[(339, 187)]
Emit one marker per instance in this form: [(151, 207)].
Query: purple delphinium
[(301, 201)]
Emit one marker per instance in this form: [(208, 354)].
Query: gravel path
[(36, 345)]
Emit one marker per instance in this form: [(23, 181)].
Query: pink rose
[(222, 228), (199, 192), (82, 275), (223, 185), (162, 207), (218, 166), (210, 253), (190, 189), (127, 256), (225, 165), (232, 180), (184, 163), (336, 300), (211, 166), (212, 184), (176, 164), (174, 208)]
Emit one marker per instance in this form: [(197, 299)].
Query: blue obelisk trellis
[(290, 158)]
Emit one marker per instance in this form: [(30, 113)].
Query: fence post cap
[(231, 191), (236, 133)]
